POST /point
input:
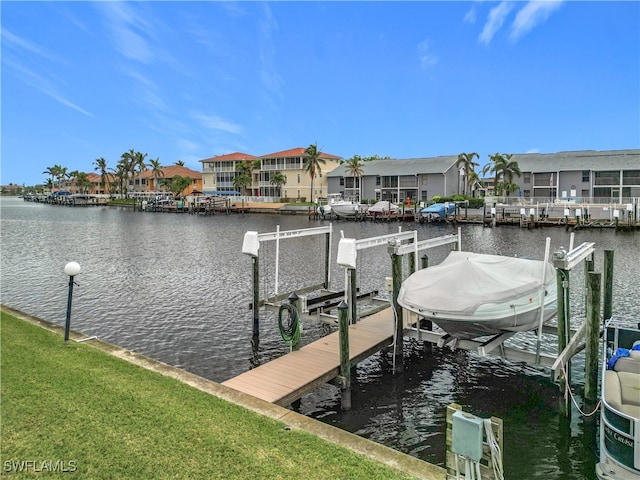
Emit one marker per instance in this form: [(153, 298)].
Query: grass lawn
[(81, 409)]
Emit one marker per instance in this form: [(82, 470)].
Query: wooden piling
[(327, 258), (345, 363), (353, 295), (294, 300), (607, 310), (396, 268), (593, 336), (563, 332)]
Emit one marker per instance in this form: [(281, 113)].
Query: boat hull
[(620, 399), (523, 317)]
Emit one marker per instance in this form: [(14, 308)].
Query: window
[(298, 181), (342, 181), (585, 176), (377, 181), (527, 177)]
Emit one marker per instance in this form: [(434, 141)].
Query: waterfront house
[(419, 179), (587, 176), (218, 174)]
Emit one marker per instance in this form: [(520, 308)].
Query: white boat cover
[(383, 207), (464, 281)]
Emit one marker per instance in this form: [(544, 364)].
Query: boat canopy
[(465, 280)]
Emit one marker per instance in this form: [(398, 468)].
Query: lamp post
[(72, 269)]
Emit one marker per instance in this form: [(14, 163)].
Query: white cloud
[(427, 59), (496, 18), (530, 15), (215, 122), (533, 150), (470, 16)]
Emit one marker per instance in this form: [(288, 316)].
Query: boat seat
[(622, 391)]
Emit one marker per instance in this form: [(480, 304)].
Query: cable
[(567, 389), (289, 324), (496, 454)]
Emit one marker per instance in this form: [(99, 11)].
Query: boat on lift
[(340, 207), (620, 400), (437, 211), (471, 295)]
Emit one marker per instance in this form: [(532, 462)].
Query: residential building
[(591, 176), (218, 174), (146, 182), (586, 176), (419, 179)]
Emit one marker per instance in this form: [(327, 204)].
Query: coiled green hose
[(289, 324)]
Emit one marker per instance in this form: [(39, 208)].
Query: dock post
[(353, 295), (327, 258), (396, 268), (294, 300), (256, 302), (607, 311), (593, 336), (425, 261), (563, 332), (345, 362)]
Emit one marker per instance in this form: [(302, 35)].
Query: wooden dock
[(288, 378)]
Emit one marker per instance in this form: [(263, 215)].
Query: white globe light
[(72, 269)]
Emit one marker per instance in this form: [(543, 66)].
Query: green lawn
[(78, 408)]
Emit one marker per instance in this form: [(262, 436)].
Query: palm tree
[(82, 182), (156, 171), (53, 173), (179, 163), (495, 167), (466, 160), (241, 182), (247, 167), (312, 161), (121, 172), (138, 165), (101, 166), (278, 179), (509, 169), (178, 184), (165, 183), (355, 167)]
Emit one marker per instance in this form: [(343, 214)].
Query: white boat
[(620, 415), (383, 206), (340, 207), (471, 295)]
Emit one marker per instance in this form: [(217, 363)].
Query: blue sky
[(191, 80)]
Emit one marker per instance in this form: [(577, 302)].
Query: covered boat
[(470, 295), (438, 211), (620, 416), (383, 206)]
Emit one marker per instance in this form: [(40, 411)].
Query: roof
[(579, 160), (410, 166), (298, 152), (172, 171), (230, 156)]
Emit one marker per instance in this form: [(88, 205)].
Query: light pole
[(72, 269)]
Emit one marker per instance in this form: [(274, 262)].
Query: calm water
[(176, 287)]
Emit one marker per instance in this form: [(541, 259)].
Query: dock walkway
[(288, 378)]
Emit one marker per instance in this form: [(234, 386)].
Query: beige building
[(218, 174)]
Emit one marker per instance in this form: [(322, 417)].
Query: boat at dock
[(471, 295), (340, 207), (620, 399), (437, 211)]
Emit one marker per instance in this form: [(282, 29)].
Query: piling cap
[(251, 244), (347, 253)]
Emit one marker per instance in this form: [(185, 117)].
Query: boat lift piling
[(251, 247)]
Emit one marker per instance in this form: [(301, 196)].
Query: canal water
[(177, 288)]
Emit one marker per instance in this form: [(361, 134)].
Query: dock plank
[(291, 376)]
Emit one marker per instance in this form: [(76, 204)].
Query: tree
[(179, 184), (156, 171), (241, 182), (278, 179), (101, 166), (493, 167), (179, 163), (137, 164), (312, 161), (509, 169), (354, 166), (247, 167), (503, 168), (82, 181), (466, 160)]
